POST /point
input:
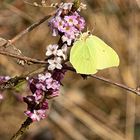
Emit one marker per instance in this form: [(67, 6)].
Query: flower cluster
[(43, 87), (67, 23), (59, 56)]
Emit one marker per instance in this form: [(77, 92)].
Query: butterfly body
[(90, 54)]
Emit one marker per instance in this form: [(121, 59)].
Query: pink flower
[(70, 30), (55, 94), (59, 23), (7, 78), (40, 86), (53, 85), (67, 39), (54, 63), (54, 32), (51, 49), (63, 7), (38, 94), (41, 113), (45, 105), (71, 20), (43, 77), (48, 81), (36, 115), (63, 52), (81, 24)]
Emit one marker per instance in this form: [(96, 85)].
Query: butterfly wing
[(82, 59), (92, 54), (104, 55)]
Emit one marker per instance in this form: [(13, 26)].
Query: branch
[(22, 129), (132, 90), (35, 61), (25, 58), (12, 82), (27, 30)]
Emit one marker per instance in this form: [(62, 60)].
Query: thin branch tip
[(22, 130)]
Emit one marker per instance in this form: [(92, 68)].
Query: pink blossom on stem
[(51, 50), (71, 20), (68, 24), (41, 86), (67, 39), (54, 63), (63, 52), (36, 115)]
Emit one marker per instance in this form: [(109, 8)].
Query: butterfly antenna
[(87, 29), (92, 30)]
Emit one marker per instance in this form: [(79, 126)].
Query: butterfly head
[(85, 35)]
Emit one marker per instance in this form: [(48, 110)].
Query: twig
[(35, 61), (22, 129), (25, 58), (133, 90), (30, 28), (12, 82)]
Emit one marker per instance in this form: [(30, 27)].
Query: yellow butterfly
[(90, 54)]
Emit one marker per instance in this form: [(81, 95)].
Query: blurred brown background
[(86, 109)]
